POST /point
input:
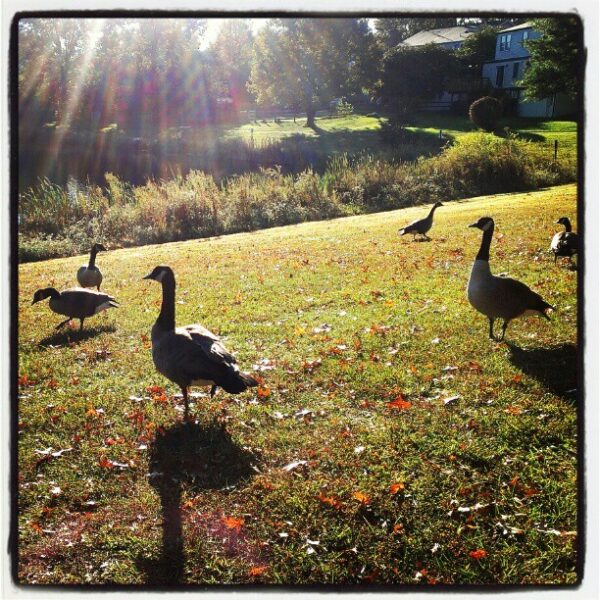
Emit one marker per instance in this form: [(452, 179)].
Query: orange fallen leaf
[(398, 528), (399, 403), (233, 523), (514, 410), (396, 487), (257, 571), (478, 554), (263, 392), (105, 463), (329, 500), (362, 498)]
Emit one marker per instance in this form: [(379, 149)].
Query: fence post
[(555, 150)]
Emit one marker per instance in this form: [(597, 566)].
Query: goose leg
[(492, 328), (81, 324), (504, 326), (62, 324), (213, 391), (186, 414)]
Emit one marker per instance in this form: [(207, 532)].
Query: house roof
[(439, 36), (527, 25)]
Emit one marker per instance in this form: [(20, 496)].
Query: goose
[(75, 303), (421, 226), (89, 275), (564, 243), (191, 355), (499, 297)]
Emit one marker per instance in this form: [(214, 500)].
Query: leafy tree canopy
[(555, 58)]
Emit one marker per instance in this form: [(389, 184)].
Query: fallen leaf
[(257, 571), (233, 523), (362, 498), (478, 554), (329, 500), (396, 487), (399, 403)]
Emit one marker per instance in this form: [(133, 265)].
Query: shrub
[(485, 112)]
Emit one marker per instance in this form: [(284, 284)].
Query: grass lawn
[(390, 441)]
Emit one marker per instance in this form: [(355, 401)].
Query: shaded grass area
[(390, 440)]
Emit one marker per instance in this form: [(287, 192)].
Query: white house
[(505, 71)]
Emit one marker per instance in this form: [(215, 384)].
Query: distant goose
[(421, 226), (499, 297), (191, 355), (90, 275), (565, 243), (75, 303)]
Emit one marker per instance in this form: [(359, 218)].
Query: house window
[(505, 42), (500, 76), (516, 70), (525, 35)]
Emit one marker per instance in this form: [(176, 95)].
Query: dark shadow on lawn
[(555, 367), (190, 457), (68, 336)]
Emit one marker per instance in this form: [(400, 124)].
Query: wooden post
[(441, 134), (555, 150)]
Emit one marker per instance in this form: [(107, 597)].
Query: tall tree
[(412, 76), (308, 61), (232, 52), (478, 48), (555, 58)]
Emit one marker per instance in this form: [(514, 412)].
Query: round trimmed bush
[(485, 112)]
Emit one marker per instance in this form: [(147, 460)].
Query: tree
[(306, 61), (478, 48), (556, 62), (232, 52), (412, 76)]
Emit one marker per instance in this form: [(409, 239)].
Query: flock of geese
[(193, 356)]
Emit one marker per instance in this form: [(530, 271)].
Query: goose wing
[(196, 354), (80, 302), (415, 225), (515, 297)]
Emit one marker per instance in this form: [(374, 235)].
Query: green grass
[(351, 317)]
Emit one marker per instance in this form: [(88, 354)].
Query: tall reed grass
[(63, 220)]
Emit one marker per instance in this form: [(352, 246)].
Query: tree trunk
[(310, 116)]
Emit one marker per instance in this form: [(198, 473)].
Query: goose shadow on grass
[(67, 336), (555, 367), (189, 457)]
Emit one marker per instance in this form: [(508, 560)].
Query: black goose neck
[(52, 292), (166, 318), (432, 210), (92, 257), (567, 225), (486, 240)]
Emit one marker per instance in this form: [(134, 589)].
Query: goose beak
[(473, 225), (147, 276)]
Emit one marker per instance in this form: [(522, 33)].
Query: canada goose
[(75, 303), (499, 297), (564, 243), (191, 355), (421, 226), (89, 275)]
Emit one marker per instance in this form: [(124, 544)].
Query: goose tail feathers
[(237, 382)]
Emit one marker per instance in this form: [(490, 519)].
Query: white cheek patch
[(486, 226), (160, 276)]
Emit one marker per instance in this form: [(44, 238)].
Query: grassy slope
[(400, 323)]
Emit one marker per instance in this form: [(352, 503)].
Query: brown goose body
[(90, 275), (499, 297), (564, 243), (75, 303), (191, 355), (421, 226)]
